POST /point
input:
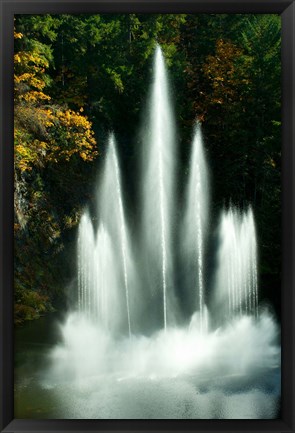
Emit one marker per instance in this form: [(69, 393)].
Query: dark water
[(33, 341)]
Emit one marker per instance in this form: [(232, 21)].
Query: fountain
[(158, 186), (101, 269), (236, 278), (206, 366), (195, 223)]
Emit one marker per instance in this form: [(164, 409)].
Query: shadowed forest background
[(79, 76)]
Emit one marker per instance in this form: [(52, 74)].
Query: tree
[(45, 135)]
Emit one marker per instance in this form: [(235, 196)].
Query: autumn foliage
[(45, 133)]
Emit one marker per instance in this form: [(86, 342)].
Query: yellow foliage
[(45, 134), (29, 81), (78, 135), (17, 35), (65, 133)]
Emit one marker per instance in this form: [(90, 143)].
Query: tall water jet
[(97, 281), (195, 224), (112, 215), (122, 226), (158, 182), (106, 281), (249, 236), (100, 269), (86, 268), (236, 288)]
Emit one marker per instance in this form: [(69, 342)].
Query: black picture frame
[(286, 8)]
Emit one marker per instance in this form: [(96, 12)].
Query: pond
[(45, 390)]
